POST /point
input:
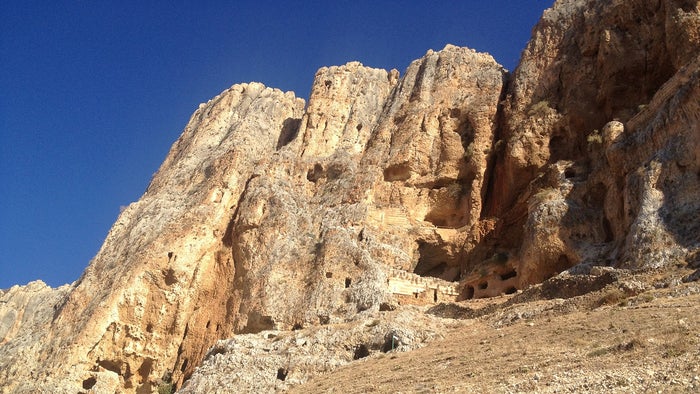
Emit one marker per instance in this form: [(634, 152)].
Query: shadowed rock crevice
[(290, 129), (498, 149)]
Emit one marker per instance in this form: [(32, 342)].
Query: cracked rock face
[(598, 113), (267, 215), (456, 180)]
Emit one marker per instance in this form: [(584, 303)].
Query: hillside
[(609, 340)]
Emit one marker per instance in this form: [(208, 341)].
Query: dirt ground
[(637, 334)]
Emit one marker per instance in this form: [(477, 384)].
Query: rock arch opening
[(467, 293)]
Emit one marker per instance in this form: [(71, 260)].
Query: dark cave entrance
[(436, 261)]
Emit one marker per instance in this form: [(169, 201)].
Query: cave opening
[(467, 293), (314, 174), (435, 261), (290, 129), (282, 374), (508, 275), (361, 351), (89, 382), (397, 172), (145, 369), (169, 277), (114, 366), (258, 322), (607, 229)]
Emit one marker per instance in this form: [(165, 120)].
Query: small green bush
[(165, 388), (469, 151), (594, 138), (539, 109), (546, 194)]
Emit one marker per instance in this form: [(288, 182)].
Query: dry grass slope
[(611, 340)]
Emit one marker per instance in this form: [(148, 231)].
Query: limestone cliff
[(569, 186), (456, 180)]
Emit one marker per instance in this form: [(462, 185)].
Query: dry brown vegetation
[(609, 340)]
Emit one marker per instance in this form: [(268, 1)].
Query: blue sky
[(93, 93)]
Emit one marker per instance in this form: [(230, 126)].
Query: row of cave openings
[(434, 261), (470, 291)]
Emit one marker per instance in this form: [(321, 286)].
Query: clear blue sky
[(93, 93)]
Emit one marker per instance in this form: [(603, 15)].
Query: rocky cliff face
[(457, 180), (570, 183)]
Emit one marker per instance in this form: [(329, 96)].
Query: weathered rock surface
[(455, 181), (272, 361), (160, 290), (26, 313), (566, 193)]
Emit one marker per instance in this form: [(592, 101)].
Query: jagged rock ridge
[(457, 180)]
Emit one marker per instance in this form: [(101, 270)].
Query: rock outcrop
[(26, 313), (272, 361), (457, 180), (594, 78)]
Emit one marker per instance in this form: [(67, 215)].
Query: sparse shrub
[(166, 385), (547, 193), (599, 352), (498, 145), (500, 258), (614, 296), (469, 151), (677, 348), (635, 343), (483, 272), (539, 109), (165, 388), (523, 369), (594, 137), (646, 297)]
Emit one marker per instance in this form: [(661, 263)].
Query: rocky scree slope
[(270, 213)]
